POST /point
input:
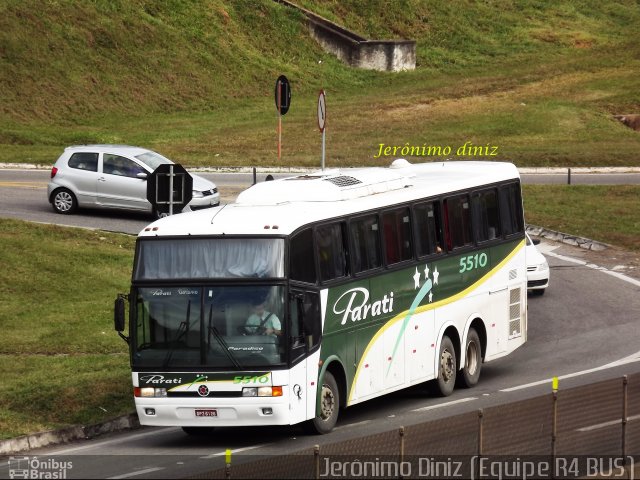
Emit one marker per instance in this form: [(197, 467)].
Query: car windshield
[(221, 327), (152, 159)]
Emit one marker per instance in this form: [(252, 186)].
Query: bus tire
[(329, 407), (447, 368), (470, 373)]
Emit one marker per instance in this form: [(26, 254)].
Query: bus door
[(305, 330)]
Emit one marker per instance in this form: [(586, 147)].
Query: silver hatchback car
[(114, 176)]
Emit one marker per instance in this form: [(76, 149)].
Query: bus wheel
[(197, 431), (473, 361), (329, 407), (447, 368)]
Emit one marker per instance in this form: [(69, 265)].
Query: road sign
[(169, 188), (322, 111), (283, 95)]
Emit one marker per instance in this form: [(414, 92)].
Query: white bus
[(317, 292)]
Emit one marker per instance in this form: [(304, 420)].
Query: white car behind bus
[(537, 268), (114, 176)]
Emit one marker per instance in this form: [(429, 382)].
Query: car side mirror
[(142, 175)]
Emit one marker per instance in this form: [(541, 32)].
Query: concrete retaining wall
[(357, 51)]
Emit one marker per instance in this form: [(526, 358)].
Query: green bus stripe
[(406, 315)]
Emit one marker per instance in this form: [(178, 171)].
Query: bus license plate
[(206, 413)]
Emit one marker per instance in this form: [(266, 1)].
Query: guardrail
[(583, 431)]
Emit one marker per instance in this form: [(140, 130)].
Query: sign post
[(322, 120), (283, 100), (169, 188)]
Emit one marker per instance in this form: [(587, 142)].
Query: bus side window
[(511, 209), (428, 226), (458, 221), (485, 215), (332, 256), (302, 266), (365, 240), (396, 226)]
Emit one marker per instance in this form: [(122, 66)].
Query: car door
[(81, 176), (119, 185)]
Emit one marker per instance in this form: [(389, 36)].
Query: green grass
[(61, 362), (194, 80), (609, 214)]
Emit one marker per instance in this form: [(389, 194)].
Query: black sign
[(159, 184), (283, 94)]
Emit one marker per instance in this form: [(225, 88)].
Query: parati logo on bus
[(356, 305)]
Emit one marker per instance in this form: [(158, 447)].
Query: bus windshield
[(217, 327), (195, 258)]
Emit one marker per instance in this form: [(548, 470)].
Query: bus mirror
[(118, 314)]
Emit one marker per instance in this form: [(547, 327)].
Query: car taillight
[(54, 170)]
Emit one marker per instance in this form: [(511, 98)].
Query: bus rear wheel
[(447, 368), (472, 361), (329, 407)]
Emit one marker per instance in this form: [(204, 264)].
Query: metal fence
[(601, 419)]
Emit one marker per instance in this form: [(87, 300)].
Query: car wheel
[(539, 292), (64, 201)]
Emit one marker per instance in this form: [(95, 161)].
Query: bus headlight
[(149, 392), (262, 392)]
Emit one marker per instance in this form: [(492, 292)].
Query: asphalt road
[(583, 329), (23, 196)]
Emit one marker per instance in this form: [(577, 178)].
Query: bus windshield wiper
[(183, 328), (221, 341)]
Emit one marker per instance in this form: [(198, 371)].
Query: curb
[(66, 435), (293, 169), (567, 238)]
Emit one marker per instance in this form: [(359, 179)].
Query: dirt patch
[(631, 120)]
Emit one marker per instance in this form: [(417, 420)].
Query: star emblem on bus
[(426, 271)]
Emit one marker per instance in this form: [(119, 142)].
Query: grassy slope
[(61, 363), (539, 80), (195, 80)]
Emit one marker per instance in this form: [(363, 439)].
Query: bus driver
[(263, 322)]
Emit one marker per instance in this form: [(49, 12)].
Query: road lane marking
[(32, 185), (598, 268), (154, 431), (610, 423), (446, 404), (349, 425), (635, 357), (139, 472), (237, 450)]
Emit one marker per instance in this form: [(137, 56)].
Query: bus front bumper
[(213, 412)]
